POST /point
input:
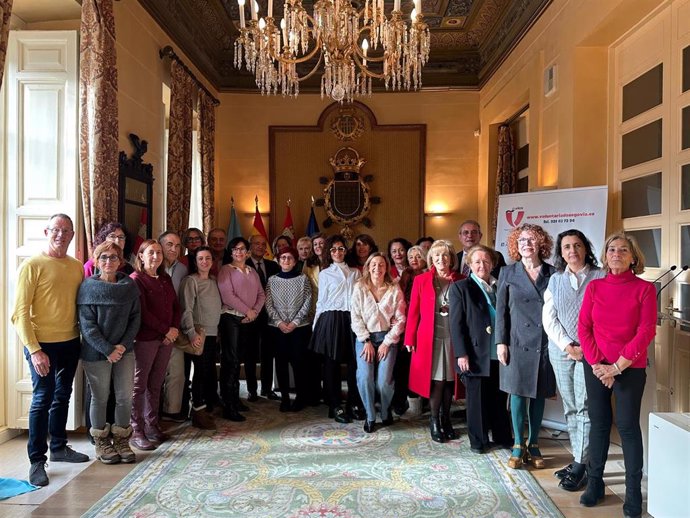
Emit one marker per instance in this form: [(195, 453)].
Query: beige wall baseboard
[(7, 434)]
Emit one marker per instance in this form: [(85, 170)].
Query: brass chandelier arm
[(313, 70)]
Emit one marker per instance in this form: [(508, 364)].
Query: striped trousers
[(570, 379)]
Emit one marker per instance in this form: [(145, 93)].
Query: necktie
[(465, 269), (261, 272)]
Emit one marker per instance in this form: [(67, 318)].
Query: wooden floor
[(74, 488)]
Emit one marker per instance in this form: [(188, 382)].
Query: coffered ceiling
[(469, 38)]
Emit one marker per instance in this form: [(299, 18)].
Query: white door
[(41, 171)]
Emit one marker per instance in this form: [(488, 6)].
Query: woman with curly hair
[(522, 344), (112, 232)]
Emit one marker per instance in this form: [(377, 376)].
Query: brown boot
[(104, 447), (203, 420), (121, 443)]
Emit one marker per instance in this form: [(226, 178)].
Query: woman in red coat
[(427, 335)]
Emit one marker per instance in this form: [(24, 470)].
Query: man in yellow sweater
[(45, 318)]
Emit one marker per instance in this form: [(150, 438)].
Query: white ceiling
[(32, 11)]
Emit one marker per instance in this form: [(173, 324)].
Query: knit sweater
[(288, 300), (45, 308), (201, 305), (562, 301), (160, 309), (617, 318), (109, 314), (369, 316), (240, 290)]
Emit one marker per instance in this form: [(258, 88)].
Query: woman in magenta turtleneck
[(616, 325)]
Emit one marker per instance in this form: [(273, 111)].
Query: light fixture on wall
[(354, 45)]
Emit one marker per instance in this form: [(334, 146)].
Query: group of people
[(407, 323)]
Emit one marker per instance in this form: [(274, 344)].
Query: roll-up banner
[(555, 211)]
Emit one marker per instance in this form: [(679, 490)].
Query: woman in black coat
[(522, 345), (472, 324)]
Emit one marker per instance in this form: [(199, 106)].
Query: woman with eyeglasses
[(243, 298), (427, 337), (160, 324), (192, 239), (332, 335), (112, 232), (616, 325), (288, 305), (521, 343), (109, 318)]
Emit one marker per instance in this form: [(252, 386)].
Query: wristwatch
[(367, 340)]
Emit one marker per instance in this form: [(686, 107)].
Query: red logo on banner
[(518, 219)]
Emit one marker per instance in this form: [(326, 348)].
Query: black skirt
[(333, 336)]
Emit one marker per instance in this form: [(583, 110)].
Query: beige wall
[(451, 156), (568, 131)]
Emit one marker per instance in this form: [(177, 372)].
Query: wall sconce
[(436, 214), (477, 133)]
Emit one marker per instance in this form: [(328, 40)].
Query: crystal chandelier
[(340, 36)]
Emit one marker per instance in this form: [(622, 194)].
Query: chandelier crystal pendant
[(355, 46)]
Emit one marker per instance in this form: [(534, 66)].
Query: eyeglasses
[(286, 258), (117, 237), (239, 249), (60, 231), (109, 258), (470, 232), (525, 240), (195, 239), (337, 249)]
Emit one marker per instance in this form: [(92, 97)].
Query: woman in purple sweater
[(616, 324), (160, 323)]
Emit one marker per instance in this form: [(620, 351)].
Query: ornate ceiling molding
[(469, 38)]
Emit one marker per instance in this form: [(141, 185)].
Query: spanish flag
[(288, 228), (260, 229)]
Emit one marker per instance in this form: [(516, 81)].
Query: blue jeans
[(376, 376), (99, 374), (50, 400)]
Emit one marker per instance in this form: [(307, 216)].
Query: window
[(650, 244), (643, 93), (685, 187), (641, 196), (642, 145)]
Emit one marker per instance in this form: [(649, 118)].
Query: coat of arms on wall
[(347, 199)]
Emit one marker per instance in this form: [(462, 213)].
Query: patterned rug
[(304, 465)]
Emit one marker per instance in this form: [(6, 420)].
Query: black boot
[(447, 426), (594, 493), (435, 429)]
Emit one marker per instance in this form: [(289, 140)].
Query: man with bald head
[(45, 319)]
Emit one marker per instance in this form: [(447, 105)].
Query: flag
[(141, 231), (234, 225), (288, 228), (312, 226), (260, 229)]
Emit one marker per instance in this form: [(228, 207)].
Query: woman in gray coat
[(109, 317), (522, 344)]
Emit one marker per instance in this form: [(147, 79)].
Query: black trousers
[(268, 353), (332, 381), (401, 375), (628, 390), (205, 380), (487, 409), (238, 342), (291, 349)]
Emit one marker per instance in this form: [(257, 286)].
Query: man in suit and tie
[(470, 234), (265, 269)]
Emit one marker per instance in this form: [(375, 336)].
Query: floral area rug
[(304, 465)]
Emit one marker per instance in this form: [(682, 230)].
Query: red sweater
[(618, 318), (160, 309)]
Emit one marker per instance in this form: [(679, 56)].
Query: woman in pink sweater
[(616, 325)]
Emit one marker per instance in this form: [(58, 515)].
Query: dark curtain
[(506, 177), (207, 135)]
